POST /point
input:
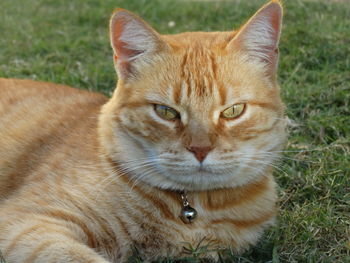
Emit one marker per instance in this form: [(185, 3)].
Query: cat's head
[(195, 110)]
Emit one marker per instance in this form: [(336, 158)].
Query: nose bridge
[(199, 134), (199, 139)]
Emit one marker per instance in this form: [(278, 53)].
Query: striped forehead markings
[(198, 74)]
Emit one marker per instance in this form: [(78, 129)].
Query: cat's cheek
[(140, 124)]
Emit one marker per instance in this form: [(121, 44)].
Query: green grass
[(67, 42)]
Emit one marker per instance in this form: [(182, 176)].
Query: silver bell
[(188, 214)]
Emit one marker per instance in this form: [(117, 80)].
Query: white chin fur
[(203, 180), (195, 179)]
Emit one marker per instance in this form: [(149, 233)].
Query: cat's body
[(86, 179)]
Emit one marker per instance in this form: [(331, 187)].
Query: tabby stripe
[(140, 220), (213, 65), (57, 231), (275, 107), (10, 221), (39, 229), (157, 202), (105, 226), (123, 227), (182, 66), (188, 86), (135, 131), (75, 220), (222, 92), (18, 237), (265, 129), (244, 223), (255, 133), (146, 214), (246, 137), (216, 200), (36, 252), (93, 214), (135, 104), (179, 88), (176, 93), (174, 196)]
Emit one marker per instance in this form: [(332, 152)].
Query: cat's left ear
[(134, 43), (259, 37)]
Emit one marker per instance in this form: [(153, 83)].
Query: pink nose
[(200, 152)]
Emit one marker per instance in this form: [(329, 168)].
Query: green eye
[(233, 111), (166, 112)]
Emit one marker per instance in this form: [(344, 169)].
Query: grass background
[(66, 41)]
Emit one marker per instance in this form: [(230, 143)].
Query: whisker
[(126, 167)]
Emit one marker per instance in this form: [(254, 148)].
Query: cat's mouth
[(201, 168), (207, 171), (204, 170)]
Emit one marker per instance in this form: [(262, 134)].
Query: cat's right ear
[(134, 43), (259, 37)]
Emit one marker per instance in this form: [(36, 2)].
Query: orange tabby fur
[(84, 178)]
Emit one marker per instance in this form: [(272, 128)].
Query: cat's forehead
[(194, 70), (199, 39), (199, 73)]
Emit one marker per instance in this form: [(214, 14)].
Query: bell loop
[(188, 213)]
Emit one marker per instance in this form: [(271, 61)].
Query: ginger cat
[(84, 178)]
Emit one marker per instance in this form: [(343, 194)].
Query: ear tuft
[(132, 40)]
